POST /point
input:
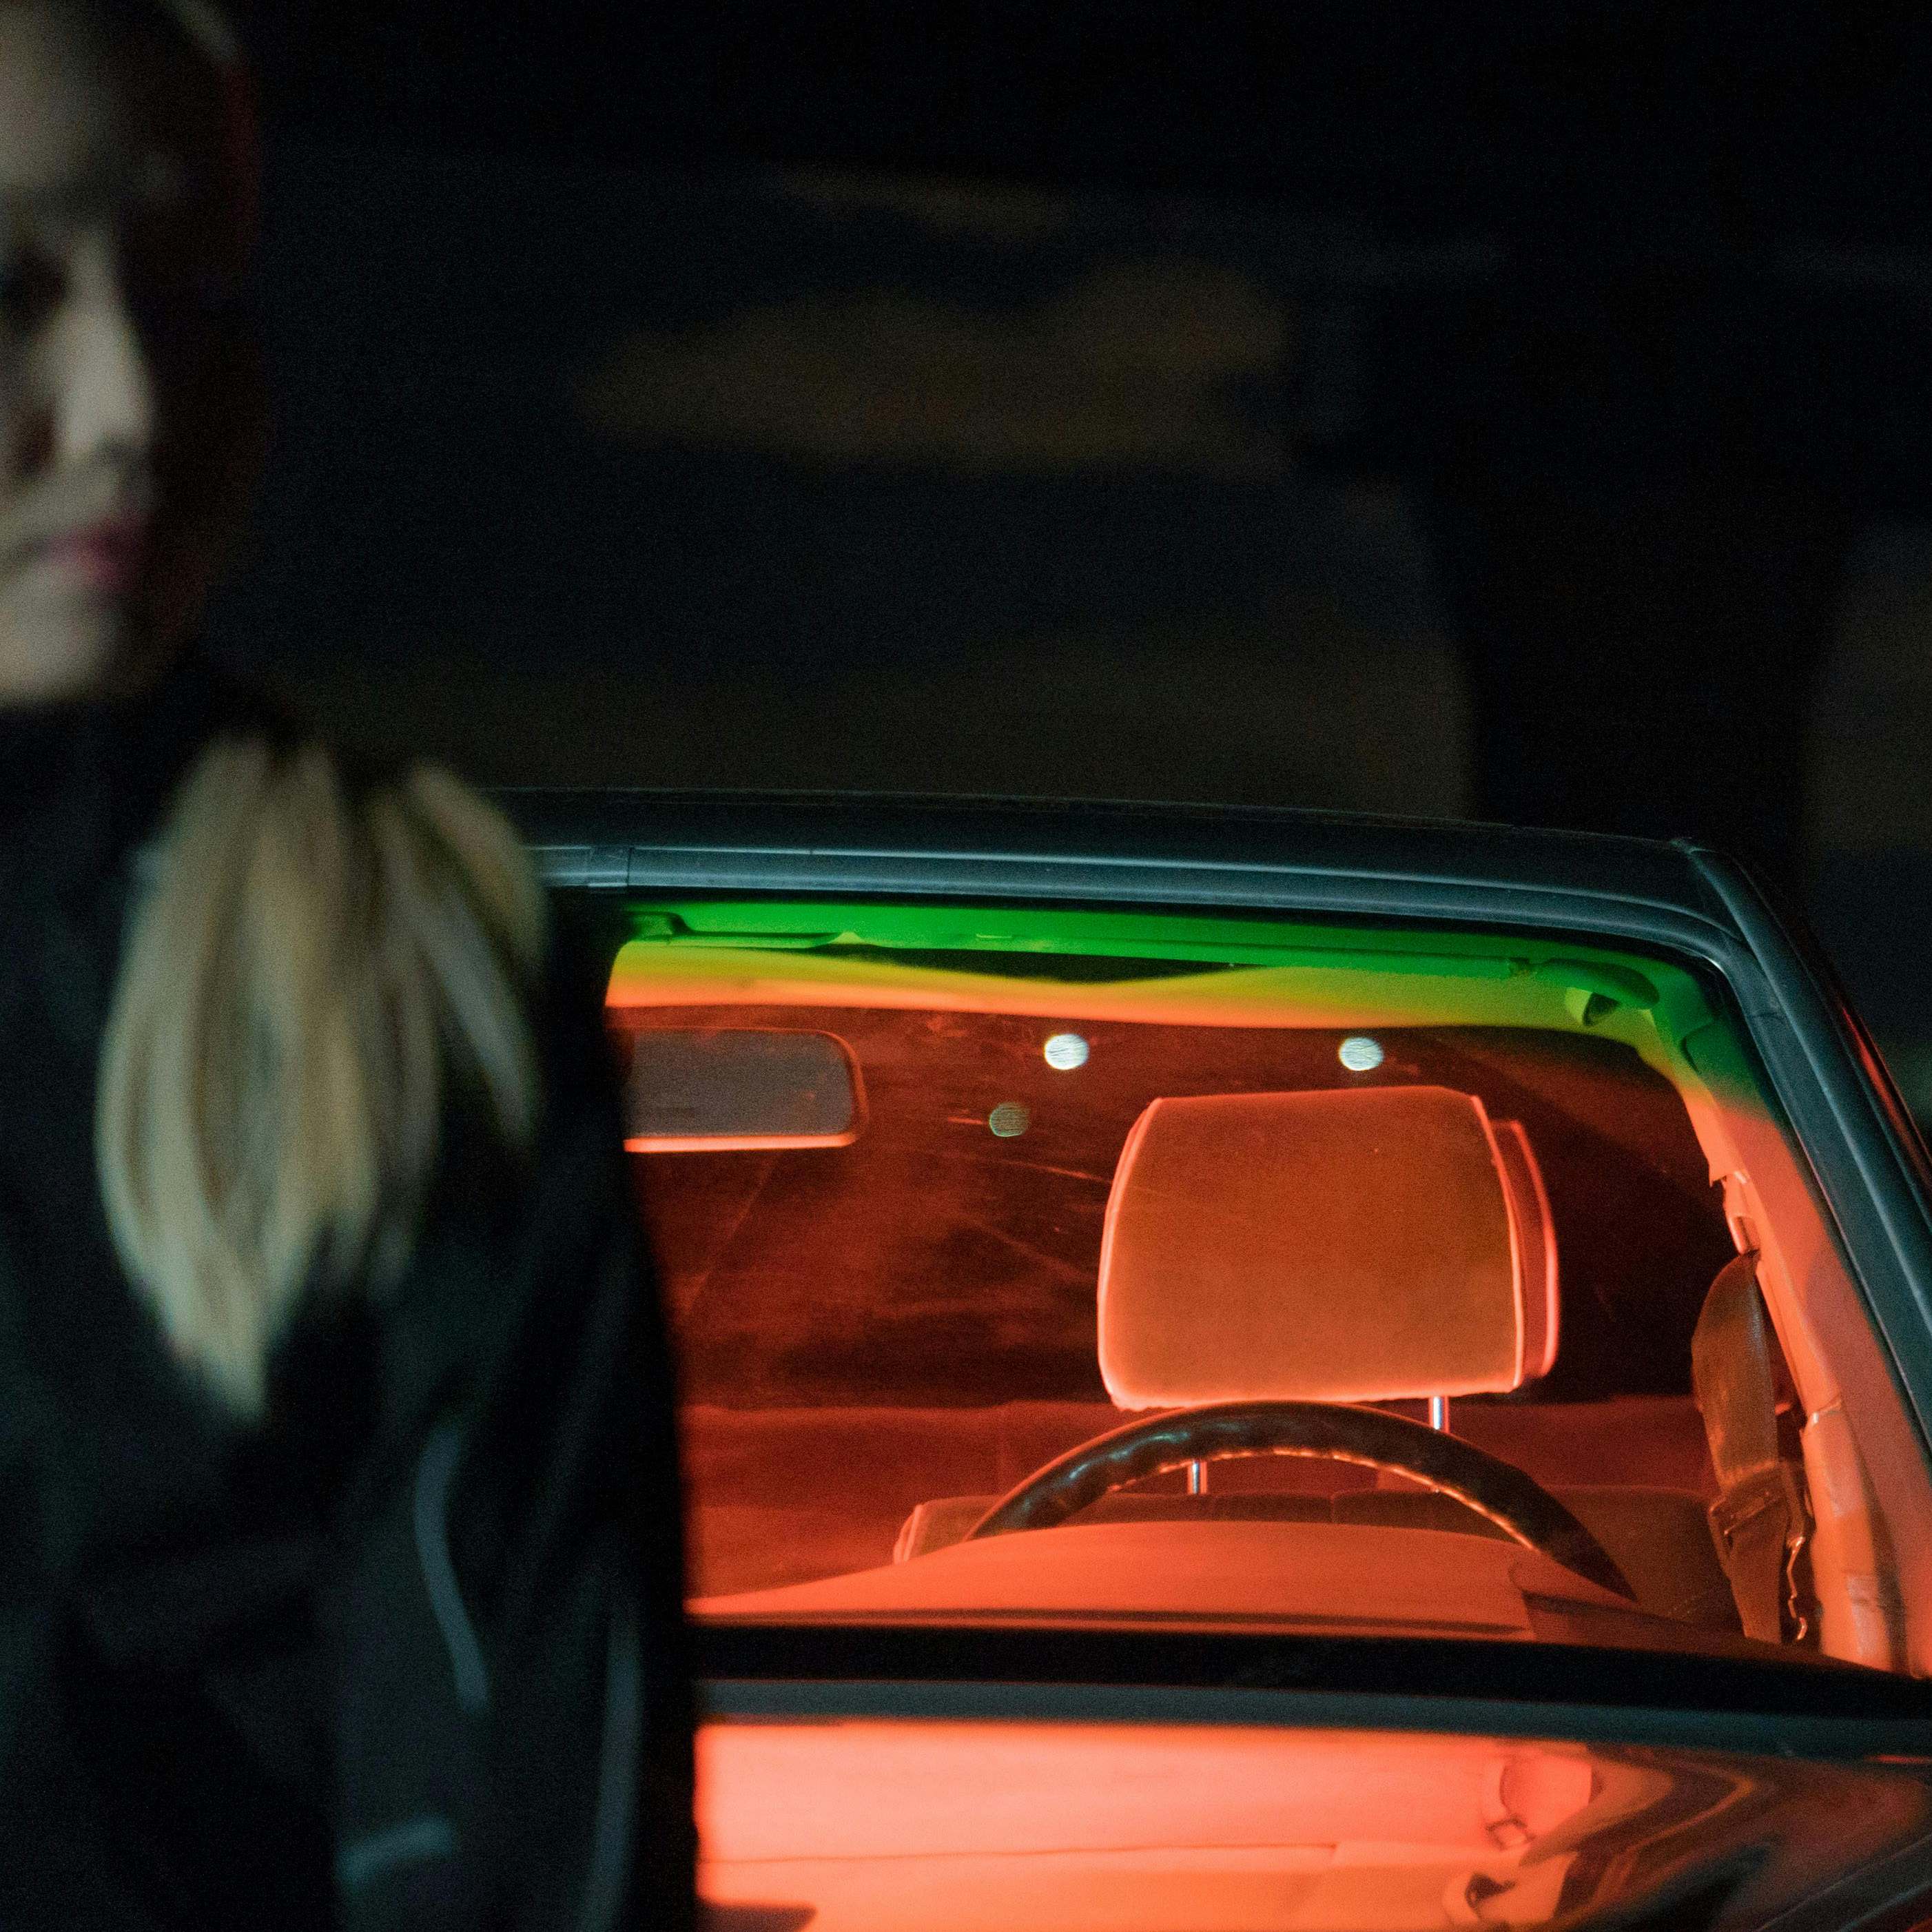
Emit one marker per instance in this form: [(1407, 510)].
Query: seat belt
[(1760, 1513)]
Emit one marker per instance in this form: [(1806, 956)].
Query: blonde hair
[(309, 966)]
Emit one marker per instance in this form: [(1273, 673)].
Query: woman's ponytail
[(312, 965)]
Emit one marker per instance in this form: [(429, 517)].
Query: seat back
[(1758, 1517)]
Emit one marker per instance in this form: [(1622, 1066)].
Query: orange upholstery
[(1362, 1245)]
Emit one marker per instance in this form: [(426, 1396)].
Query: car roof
[(641, 837)]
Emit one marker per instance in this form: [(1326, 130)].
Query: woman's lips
[(104, 557)]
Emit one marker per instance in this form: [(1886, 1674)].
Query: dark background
[(1519, 411)]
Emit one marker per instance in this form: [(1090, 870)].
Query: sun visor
[(717, 1089), (1361, 1245)]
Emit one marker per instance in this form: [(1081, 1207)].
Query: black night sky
[(1436, 408)]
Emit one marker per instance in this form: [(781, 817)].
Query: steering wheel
[(1517, 1504)]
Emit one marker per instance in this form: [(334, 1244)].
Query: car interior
[(1081, 1276), (1219, 1273)]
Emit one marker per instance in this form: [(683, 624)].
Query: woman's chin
[(75, 645)]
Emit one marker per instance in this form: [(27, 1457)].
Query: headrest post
[(1197, 1479), (1439, 1413)]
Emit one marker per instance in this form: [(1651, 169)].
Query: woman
[(339, 1541)]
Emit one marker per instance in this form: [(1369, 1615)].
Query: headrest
[(1364, 1245)]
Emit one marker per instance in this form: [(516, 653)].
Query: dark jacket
[(411, 1652)]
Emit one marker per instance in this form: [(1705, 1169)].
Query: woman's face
[(123, 379)]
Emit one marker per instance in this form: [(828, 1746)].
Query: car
[(1249, 1369)]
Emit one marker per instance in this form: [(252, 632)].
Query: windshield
[(1401, 1268)]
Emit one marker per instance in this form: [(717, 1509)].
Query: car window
[(943, 1196)]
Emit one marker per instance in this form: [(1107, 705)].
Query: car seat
[(1364, 1245)]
